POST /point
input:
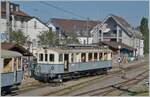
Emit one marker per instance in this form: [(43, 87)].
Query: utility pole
[(59, 37), (87, 31), (8, 21), (0, 10)]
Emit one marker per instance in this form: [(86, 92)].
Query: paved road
[(114, 79)]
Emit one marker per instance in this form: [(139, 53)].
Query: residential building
[(81, 28), (20, 21), (35, 28), (119, 31), (13, 18)]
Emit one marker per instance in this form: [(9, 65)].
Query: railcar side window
[(7, 65), (51, 57), (100, 56), (95, 56), (83, 57), (19, 63), (105, 56), (40, 57), (72, 57), (90, 56), (15, 63), (46, 57), (60, 57)]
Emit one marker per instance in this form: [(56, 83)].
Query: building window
[(100, 32), (35, 24), (17, 9), (60, 57), (51, 57), (46, 57), (11, 8), (40, 57)]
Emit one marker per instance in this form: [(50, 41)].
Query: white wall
[(50, 25), (33, 31), (83, 40), (141, 47), (126, 39), (3, 25)]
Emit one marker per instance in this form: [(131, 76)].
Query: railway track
[(42, 85), (121, 86), (67, 90)]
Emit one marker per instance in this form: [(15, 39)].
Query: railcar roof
[(9, 54), (78, 49)]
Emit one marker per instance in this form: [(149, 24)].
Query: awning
[(115, 45)]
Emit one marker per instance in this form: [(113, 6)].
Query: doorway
[(66, 62)]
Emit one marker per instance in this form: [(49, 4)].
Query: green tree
[(48, 38), (18, 37), (71, 39), (145, 31)]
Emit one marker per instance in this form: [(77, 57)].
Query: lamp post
[(119, 57), (120, 68)]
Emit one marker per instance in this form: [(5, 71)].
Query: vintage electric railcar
[(11, 70), (60, 63)]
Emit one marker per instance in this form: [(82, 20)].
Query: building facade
[(35, 28), (81, 28), (119, 31), (22, 22)]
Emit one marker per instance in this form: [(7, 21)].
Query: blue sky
[(132, 11)]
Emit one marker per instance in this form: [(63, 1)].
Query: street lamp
[(119, 60), (119, 57)]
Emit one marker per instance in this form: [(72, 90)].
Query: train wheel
[(3, 92)]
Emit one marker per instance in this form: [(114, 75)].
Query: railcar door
[(66, 62), (15, 70)]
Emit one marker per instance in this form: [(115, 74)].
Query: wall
[(3, 25), (33, 31), (126, 39), (83, 40), (50, 25)]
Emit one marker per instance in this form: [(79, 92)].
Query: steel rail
[(110, 88), (86, 83)]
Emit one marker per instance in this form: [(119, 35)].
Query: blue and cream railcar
[(11, 70), (59, 62)]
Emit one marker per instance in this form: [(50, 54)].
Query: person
[(26, 71), (123, 74)]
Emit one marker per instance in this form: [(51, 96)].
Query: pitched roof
[(115, 45), (39, 21), (9, 54), (70, 25), (125, 25), (15, 47)]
